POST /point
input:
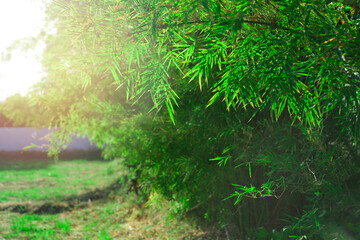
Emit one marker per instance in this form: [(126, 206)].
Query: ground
[(82, 200)]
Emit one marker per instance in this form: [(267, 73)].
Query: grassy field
[(80, 200)]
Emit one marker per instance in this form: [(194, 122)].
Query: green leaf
[(31, 146), (170, 111), (249, 170)]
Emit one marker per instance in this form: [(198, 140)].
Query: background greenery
[(214, 103)]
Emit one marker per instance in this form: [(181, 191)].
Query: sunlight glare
[(20, 19)]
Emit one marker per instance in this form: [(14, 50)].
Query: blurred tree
[(4, 121)]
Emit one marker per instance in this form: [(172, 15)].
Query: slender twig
[(274, 25)]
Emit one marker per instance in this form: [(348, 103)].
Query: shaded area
[(68, 204)]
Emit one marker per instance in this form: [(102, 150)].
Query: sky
[(20, 19)]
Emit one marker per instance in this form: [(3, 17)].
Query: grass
[(36, 227), (114, 216), (56, 181)]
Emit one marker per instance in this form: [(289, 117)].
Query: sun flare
[(20, 19)]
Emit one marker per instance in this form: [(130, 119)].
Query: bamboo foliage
[(292, 56), (267, 90)]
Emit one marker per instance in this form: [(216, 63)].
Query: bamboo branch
[(165, 26)]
